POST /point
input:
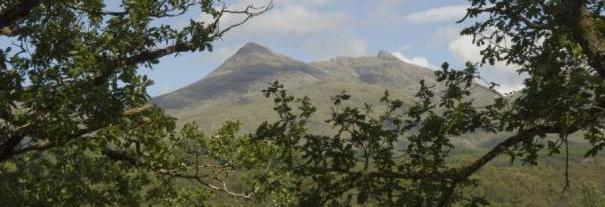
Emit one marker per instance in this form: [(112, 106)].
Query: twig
[(566, 164)]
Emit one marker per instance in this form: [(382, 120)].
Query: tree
[(559, 44), (76, 126)]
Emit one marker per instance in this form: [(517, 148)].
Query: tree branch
[(249, 15), (223, 189), (139, 110), (154, 54), (465, 172), (574, 15), (126, 157), (9, 149), (189, 46)]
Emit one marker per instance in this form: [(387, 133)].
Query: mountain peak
[(250, 53), (252, 47), (384, 55)]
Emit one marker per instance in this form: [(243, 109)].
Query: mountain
[(233, 90), (251, 67)]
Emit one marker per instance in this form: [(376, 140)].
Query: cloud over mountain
[(438, 14)]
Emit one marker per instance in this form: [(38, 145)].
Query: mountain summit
[(384, 55), (248, 70), (252, 48), (233, 90)]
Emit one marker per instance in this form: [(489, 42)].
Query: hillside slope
[(233, 90)]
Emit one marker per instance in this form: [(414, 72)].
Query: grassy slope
[(506, 184)]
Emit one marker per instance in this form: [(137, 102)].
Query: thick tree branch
[(464, 173), (574, 15), (502, 147), (212, 28), (9, 148)]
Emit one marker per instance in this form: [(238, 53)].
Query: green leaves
[(74, 112), (381, 157)]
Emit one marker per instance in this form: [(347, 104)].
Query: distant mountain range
[(233, 90)]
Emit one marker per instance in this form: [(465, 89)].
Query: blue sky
[(422, 32)]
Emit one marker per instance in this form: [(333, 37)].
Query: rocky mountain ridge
[(233, 90)]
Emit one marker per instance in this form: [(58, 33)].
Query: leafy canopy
[(76, 126)]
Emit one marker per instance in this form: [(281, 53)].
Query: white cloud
[(439, 14), (308, 2), (298, 24), (329, 45), (463, 49), (416, 60), (445, 34), (383, 13), (297, 19)]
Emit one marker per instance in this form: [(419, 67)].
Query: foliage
[(559, 44), (76, 126), (361, 162)]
